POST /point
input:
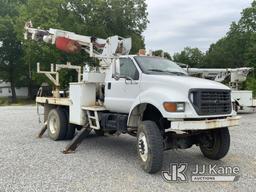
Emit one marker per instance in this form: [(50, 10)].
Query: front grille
[(211, 101)]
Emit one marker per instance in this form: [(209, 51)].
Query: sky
[(175, 24)]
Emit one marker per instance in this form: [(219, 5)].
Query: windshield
[(157, 65)]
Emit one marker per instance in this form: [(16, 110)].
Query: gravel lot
[(105, 163)]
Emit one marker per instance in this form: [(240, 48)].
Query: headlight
[(174, 107)]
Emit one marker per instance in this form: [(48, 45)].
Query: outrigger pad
[(77, 140)]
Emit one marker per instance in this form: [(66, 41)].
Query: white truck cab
[(136, 80), (148, 97)]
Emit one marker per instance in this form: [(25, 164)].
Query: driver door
[(123, 87)]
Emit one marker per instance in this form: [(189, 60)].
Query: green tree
[(238, 47), (11, 70), (190, 56), (247, 22), (247, 29), (161, 53), (230, 50), (104, 18)]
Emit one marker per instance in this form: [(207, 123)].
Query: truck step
[(93, 119)]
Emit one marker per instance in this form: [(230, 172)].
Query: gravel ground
[(105, 163)]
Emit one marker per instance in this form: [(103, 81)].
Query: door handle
[(109, 86)]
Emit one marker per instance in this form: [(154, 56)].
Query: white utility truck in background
[(147, 97), (242, 99)]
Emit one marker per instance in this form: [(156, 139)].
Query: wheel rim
[(53, 124), (143, 146)]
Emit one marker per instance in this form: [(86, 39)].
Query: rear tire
[(217, 145), (150, 146), (71, 129), (57, 124)]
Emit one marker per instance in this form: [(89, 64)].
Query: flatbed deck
[(54, 101)]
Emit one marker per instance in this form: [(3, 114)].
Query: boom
[(237, 75), (73, 43)]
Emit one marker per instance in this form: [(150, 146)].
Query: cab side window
[(127, 68)]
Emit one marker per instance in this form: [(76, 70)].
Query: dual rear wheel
[(58, 125)]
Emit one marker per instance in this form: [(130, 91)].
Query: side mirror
[(118, 76)]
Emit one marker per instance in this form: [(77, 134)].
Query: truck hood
[(184, 82)]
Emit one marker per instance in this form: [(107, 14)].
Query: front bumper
[(204, 124)]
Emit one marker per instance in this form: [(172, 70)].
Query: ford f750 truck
[(150, 98)]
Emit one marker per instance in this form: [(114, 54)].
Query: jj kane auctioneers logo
[(201, 173)]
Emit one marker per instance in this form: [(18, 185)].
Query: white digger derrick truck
[(242, 99), (147, 97)]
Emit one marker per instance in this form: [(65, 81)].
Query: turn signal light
[(174, 107)]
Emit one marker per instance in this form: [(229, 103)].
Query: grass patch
[(8, 102)]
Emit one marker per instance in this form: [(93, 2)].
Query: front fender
[(156, 96)]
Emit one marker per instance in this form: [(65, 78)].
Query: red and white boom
[(73, 43)]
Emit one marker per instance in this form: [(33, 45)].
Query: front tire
[(215, 144), (57, 124), (150, 147)]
